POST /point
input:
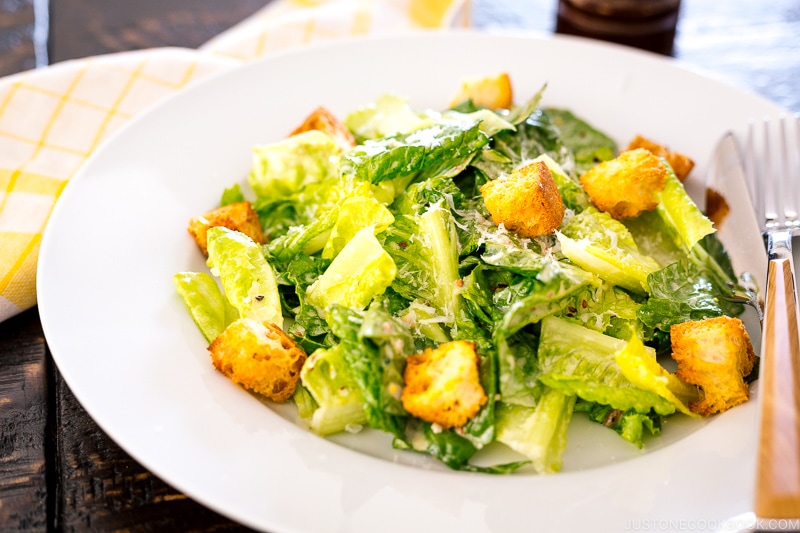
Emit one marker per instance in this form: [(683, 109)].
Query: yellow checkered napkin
[(52, 119)]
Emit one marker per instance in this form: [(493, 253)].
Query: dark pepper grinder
[(645, 24)]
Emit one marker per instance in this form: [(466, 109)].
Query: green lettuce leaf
[(339, 404), (680, 213), (528, 301), (450, 448), (489, 122), (540, 432), (355, 214), (588, 145), (642, 369), (605, 308), (630, 425), (680, 292), (388, 115), (309, 327), (374, 363), (442, 149), (361, 271), (533, 136), (595, 241), (285, 168), (425, 249), (247, 278), (231, 195), (209, 308), (420, 196), (580, 361)]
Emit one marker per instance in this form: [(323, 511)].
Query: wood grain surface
[(58, 469), (140, 24), (23, 424), (17, 41)]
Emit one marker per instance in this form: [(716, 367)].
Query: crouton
[(717, 207), (493, 92), (442, 385), (680, 163), (260, 357), (627, 185), (526, 201), (715, 354), (239, 217), (323, 120)]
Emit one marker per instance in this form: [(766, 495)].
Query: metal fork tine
[(791, 171), (751, 170), (772, 210), (794, 170), (788, 193)]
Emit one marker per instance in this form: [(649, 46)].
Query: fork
[(772, 165)]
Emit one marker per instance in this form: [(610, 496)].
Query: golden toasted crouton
[(715, 354), (442, 385), (239, 217), (526, 201), (627, 185), (323, 120), (493, 92), (259, 357), (717, 207), (680, 163)]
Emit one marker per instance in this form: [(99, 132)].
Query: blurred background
[(715, 36)]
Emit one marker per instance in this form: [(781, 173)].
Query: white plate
[(128, 349)]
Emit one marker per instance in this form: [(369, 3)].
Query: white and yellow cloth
[(52, 119)]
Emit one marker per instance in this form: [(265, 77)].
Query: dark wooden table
[(58, 470)]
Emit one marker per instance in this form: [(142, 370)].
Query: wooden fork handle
[(778, 474)]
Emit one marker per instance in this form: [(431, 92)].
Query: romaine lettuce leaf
[(441, 149), (247, 278), (450, 448), (209, 308), (630, 425), (572, 194), (680, 292), (489, 122), (308, 239), (525, 302), (336, 203), (540, 432), (285, 168), (680, 213), (339, 404), (374, 362), (600, 244), (580, 361), (308, 328), (605, 308), (353, 215), (535, 135), (588, 145), (231, 195), (643, 370), (388, 115), (520, 114), (361, 271), (419, 196), (425, 249)]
